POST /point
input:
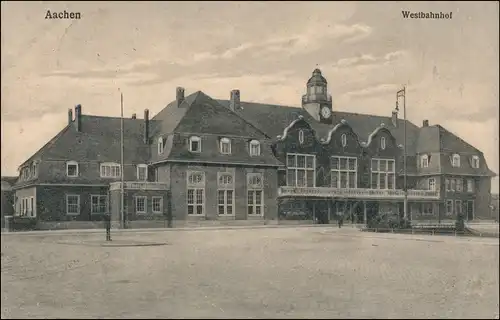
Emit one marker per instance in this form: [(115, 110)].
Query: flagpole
[(122, 211), (402, 93)]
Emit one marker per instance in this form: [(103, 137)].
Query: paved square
[(253, 273)]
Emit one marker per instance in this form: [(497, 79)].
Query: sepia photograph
[(250, 159)]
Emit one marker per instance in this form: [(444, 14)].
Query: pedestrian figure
[(107, 222), (341, 220)]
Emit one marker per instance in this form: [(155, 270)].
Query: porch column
[(329, 210), (314, 212), (364, 212)]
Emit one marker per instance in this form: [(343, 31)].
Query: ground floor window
[(255, 202), (99, 204), (458, 207), (140, 204), (72, 204), (27, 207), (225, 202), (449, 207), (196, 201), (422, 209), (157, 204)]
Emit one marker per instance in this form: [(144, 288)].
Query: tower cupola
[(317, 101)]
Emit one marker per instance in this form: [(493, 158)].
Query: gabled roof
[(273, 119), (206, 117), (169, 117)]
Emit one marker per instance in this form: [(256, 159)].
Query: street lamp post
[(122, 211), (402, 93)]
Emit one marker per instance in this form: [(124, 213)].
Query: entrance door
[(470, 210)]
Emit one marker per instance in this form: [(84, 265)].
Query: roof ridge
[(235, 113)]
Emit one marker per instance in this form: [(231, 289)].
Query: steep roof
[(206, 117), (273, 119)]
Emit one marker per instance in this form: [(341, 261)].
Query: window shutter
[(451, 160)]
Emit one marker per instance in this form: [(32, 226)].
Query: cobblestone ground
[(273, 273)]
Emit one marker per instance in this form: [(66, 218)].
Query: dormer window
[(254, 148), (424, 161), (33, 169), (110, 170), (72, 169), (195, 144), (382, 143), (225, 146), (475, 162), (301, 136), (455, 160), (343, 140), (160, 145)]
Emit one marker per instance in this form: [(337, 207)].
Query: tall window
[(301, 170), (140, 204), (458, 207), (424, 161), (142, 172), (195, 144), (157, 204), (110, 170), (99, 204), (453, 185), (432, 184), (382, 143), (72, 169), (383, 174), (470, 185), (72, 204), (455, 160), (34, 169), (344, 172), (475, 162), (459, 183), (225, 193), (343, 139), (196, 193), (254, 148), (255, 197), (225, 146), (301, 136), (32, 207), (160, 145), (449, 207)]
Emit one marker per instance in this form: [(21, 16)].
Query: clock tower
[(317, 101)]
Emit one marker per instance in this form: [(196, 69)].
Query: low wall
[(63, 225)]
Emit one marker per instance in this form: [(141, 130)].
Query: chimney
[(78, 117), (134, 116), (394, 119), (179, 95), (146, 126), (425, 123), (234, 103), (70, 116)]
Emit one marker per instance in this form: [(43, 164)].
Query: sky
[(267, 50)]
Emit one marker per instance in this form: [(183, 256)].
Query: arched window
[(254, 148), (455, 160), (195, 144), (225, 146), (424, 161), (382, 143), (343, 139), (72, 169), (301, 136), (160, 145)]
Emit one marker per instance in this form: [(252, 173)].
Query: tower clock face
[(326, 112)]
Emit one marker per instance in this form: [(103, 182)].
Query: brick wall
[(178, 183), (51, 202)]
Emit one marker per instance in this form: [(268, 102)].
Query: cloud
[(381, 89)]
